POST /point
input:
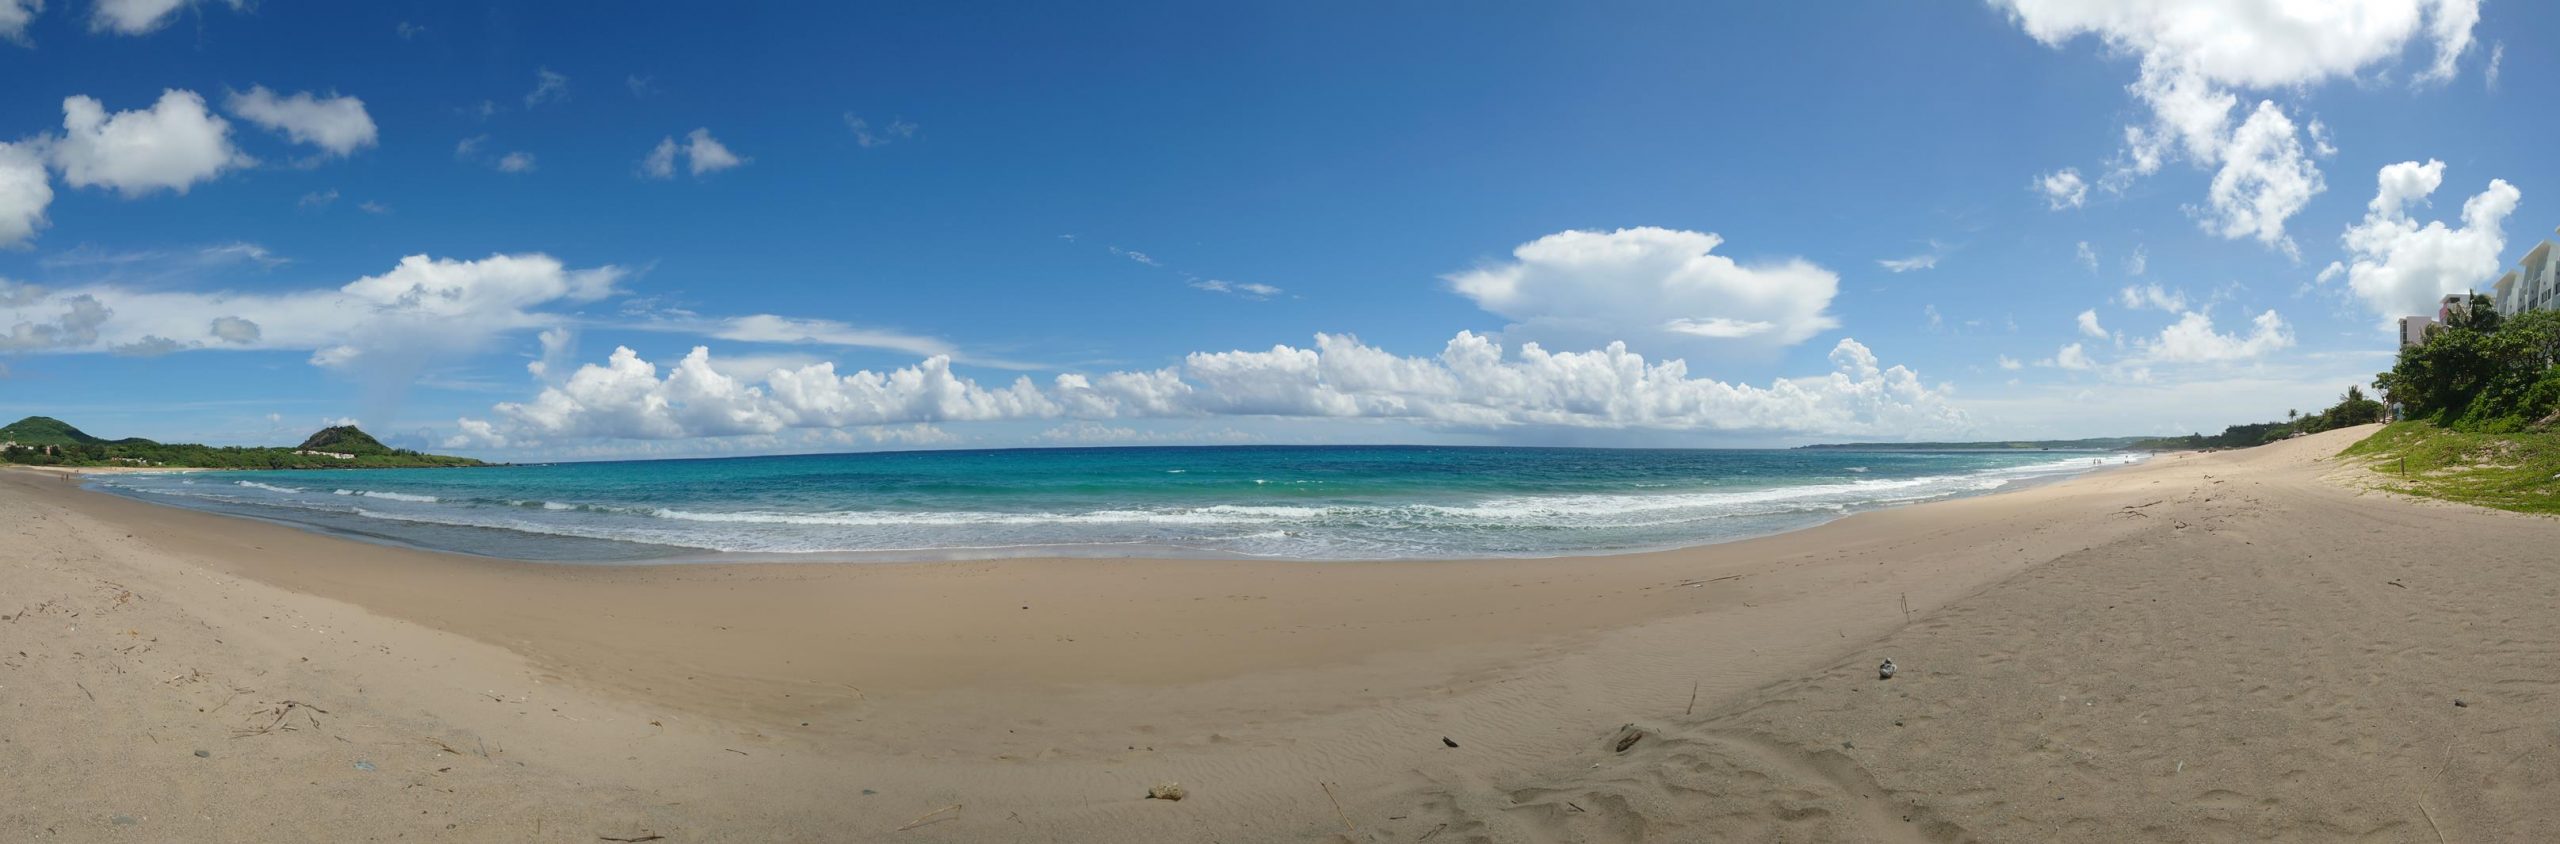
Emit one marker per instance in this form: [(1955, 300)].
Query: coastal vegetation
[(45, 441), (2509, 471), (2353, 408), (2479, 403), (2090, 444), (2481, 372)]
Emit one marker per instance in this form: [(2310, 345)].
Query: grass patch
[(2512, 471)]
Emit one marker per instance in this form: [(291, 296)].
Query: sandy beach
[(2229, 646)]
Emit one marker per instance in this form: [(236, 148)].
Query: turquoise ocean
[(1309, 502)]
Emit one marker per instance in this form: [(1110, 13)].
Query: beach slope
[(2211, 646)]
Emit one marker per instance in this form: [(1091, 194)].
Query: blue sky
[(1146, 199)]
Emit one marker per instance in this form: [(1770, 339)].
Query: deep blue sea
[(1317, 502)]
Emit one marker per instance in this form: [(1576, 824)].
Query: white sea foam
[(1647, 514), (391, 496)]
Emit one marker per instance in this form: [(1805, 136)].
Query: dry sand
[(2203, 647)]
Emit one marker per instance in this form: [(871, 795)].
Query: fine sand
[(2227, 646)]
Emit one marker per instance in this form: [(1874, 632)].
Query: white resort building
[(2413, 330), (2534, 285)]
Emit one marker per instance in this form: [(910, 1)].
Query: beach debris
[(2396, 582), (1167, 790), (634, 839), (934, 816), (2458, 702), (363, 765), (1885, 671), (278, 713), (204, 754), (1448, 741), (1693, 699), (1337, 808), (1628, 735), (1434, 831)]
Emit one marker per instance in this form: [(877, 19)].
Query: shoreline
[(644, 553), (2156, 648)]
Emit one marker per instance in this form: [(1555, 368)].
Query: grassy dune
[(2514, 471)]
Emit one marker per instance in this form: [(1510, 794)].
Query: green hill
[(46, 441), (344, 439), (45, 430)]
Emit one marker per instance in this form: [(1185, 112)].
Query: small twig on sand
[(281, 711), (1337, 807), (1434, 831), (1693, 699), (445, 747), (2431, 821), (930, 817), (85, 690), (737, 751), (632, 840)]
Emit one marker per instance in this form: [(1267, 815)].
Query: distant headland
[(46, 441)]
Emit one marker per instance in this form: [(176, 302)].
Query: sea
[(1301, 502)]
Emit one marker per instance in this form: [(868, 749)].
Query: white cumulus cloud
[(171, 146), (2089, 324), (14, 17), (1661, 285), (334, 123), (25, 191), (2192, 339), (2265, 179), (2063, 189), (2400, 267), (2195, 54), (1474, 383)]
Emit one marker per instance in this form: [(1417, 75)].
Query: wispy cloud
[(1246, 289), (868, 136), (548, 87)]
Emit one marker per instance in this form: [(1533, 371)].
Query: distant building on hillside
[(2414, 330), (2534, 285), (2454, 304)]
